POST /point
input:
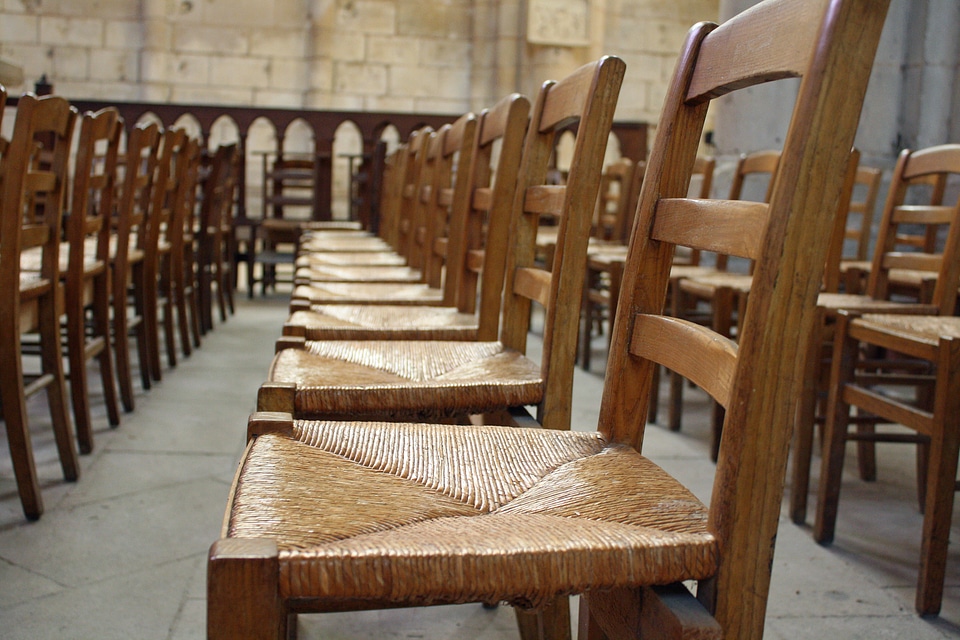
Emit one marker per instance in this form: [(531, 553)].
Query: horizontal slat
[(482, 199), (735, 226), (544, 199), (445, 197), (533, 284), (924, 214), (425, 191), (914, 261), (475, 260), (34, 235), (695, 352), (40, 181), (898, 412), (779, 38)]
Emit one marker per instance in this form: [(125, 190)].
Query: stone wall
[(443, 56)]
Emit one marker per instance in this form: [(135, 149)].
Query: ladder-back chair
[(939, 266), (33, 184), (486, 225), (588, 513)]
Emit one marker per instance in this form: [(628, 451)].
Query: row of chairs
[(98, 244), (340, 502)]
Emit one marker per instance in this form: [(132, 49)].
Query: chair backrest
[(840, 232), (94, 189), (588, 96), (166, 183), (863, 203), (186, 202), (830, 44), (219, 186), (759, 165), (485, 235), (33, 179), (3, 103), (932, 163), (138, 171), (389, 215), (613, 201), (702, 185), (448, 167), (410, 203)]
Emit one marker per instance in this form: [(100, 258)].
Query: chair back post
[(831, 45), (505, 121), (588, 96), (410, 205), (448, 205), (831, 272)]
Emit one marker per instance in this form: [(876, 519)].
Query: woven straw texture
[(928, 329), (704, 285), (334, 243), (384, 322), (358, 273), (368, 293), (419, 514), (856, 302), (351, 258), (414, 379)]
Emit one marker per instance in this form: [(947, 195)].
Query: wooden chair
[(855, 274), (863, 202), (431, 217), (936, 419), (128, 271), (404, 225), (593, 516), (420, 379), (938, 267), (343, 284), (87, 273), (486, 206), (184, 250), (33, 180), (388, 226), (163, 227), (218, 188)]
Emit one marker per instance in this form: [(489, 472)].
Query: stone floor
[(121, 553)]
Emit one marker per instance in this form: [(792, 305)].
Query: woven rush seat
[(357, 273), (925, 329), (831, 302), (381, 322), (333, 243), (513, 522), (413, 378), (368, 293), (349, 258)]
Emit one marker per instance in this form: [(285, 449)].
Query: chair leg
[(165, 299), (179, 288), (141, 326), (121, 352), (14, 407), (803, 433), (940, 481), (549, 622), (243, 602), (101, 328), (52, 364), (834, 435), (79, 387)]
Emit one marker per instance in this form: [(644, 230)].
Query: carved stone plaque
[(558, 22)]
